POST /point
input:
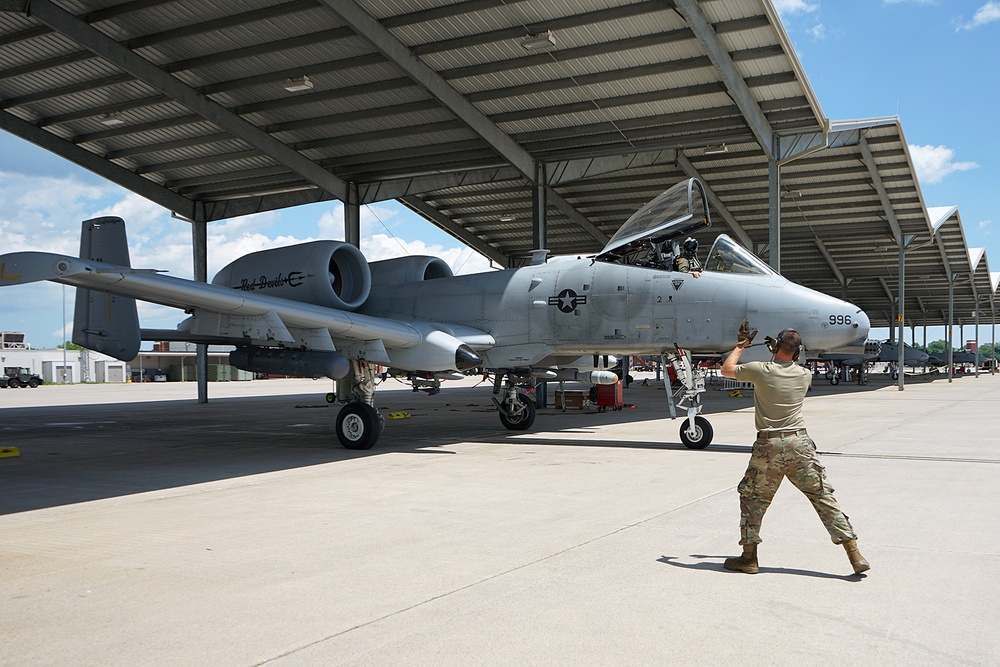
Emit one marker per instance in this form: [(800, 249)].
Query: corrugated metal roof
[(618, 109)]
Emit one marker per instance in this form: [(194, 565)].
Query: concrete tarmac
[(138, 527)]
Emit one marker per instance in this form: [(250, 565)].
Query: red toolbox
[(609, 396)]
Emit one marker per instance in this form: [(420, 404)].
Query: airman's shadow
[(716, 565)]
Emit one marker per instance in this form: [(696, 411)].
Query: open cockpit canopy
[(681, 210)]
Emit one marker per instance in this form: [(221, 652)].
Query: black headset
[(774, 344)]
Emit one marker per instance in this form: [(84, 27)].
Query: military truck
[(15, 376)]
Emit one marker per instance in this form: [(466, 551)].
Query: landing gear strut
[(696, 432), (359, 424), (517, 411)]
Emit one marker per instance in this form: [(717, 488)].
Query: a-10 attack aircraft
[(870, 351), (320, 309)]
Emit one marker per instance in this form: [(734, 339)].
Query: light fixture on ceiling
[(507, 217), (543, 40), (716, 150), (114, 118), (298, 83), (792, 194)]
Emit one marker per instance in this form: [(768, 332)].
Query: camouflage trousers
[(790, 454)]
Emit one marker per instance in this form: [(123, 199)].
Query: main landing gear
[(696, 432), (359, 424)]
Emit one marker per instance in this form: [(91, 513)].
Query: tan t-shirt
[(779, 387)]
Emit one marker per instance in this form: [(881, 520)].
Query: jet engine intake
[(324, 273), (402, 270), (297, 363)]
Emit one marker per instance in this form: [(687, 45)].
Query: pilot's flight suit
[(783, 449)]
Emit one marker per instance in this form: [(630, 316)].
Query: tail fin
[(105, 322)]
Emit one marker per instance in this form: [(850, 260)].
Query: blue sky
[(931, 62)]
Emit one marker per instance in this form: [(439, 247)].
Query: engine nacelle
[(402, 270), (297, 363), (324, 273)]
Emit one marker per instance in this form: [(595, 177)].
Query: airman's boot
[(858, 561), (745, 563)]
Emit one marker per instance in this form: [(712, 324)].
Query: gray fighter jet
[(320, 309), (863, 352)]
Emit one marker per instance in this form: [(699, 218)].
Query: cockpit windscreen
[(728, 256)]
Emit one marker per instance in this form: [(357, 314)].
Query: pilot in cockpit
[(686, 261)]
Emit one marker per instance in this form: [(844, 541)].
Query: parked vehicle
[(15, 376)]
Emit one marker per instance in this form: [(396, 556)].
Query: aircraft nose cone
[(862, 323), (466, 358)]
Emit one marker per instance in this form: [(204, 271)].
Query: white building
[(57, 366)]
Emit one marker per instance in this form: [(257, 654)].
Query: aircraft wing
[(239, 317)]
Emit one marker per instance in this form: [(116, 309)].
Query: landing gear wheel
[(521, 417), (895, 375), (358, 426), (331, 397), (834, 380), (702, 434)]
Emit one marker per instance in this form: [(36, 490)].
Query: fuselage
[(580, 307)]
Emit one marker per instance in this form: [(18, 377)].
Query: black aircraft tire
[(331, 397), (358, 426), (703, 435), (835, 380), (524, 420)]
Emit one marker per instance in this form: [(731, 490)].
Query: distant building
[(57, 366)]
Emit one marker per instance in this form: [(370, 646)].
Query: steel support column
[(951, 326), (352, 216), (774, 214), (199, 251), (539, 209), (904, 243)]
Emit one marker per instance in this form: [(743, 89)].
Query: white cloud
[(818, 31), (986, 14), (375, 218), (461, 260), (788, 7), (934, 163), (984, 226)]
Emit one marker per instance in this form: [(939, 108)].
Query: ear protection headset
[(774, 344)]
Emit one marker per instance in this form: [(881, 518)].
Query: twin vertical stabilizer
[(106, 323)]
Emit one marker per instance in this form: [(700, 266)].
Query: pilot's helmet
[(691, 246)]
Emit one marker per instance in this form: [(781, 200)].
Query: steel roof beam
[(733, 80), (371, 30), (716, 203), (109, 170), (578, 219), (115, 53), (890, 214), (829, 260), (375, 191)]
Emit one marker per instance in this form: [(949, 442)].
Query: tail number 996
[(840, 319)]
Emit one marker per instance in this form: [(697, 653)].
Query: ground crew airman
[(783, 448)]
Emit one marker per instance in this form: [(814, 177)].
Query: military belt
[(780, 432)]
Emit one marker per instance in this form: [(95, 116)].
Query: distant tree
[(937, 347), (69, 345), (988, 351)]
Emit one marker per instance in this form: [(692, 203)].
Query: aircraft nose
[(863, 323)]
